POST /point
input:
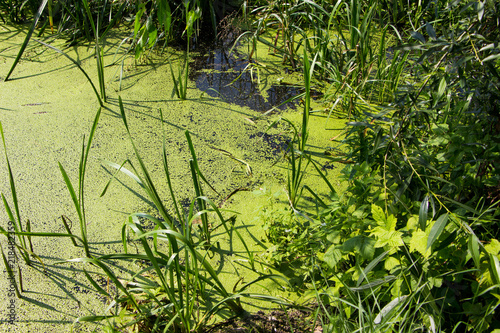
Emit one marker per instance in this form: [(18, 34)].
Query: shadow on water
[(230, 77)]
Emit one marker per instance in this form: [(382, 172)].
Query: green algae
[(48, 107)]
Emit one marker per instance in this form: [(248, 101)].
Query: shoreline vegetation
[(405, 237)]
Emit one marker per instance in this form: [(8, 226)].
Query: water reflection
[(215, 71)]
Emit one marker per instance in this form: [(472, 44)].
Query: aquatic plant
[(14, 219), (192, 15), (177, 270)]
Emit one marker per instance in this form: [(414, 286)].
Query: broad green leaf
[(412, 223), (418, 243), (378, 215), (362, 244), (164, 16), (391, 223), (390, 263), (138, 16), (437, 229), (493, 247), (387, 238), (438, 141), (332, 256)]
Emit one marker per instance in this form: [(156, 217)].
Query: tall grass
[(178, 269), (417, 180)]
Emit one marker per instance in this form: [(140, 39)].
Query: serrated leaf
[(378, 215), (418, 243), (391, 223), (390, 263), (387, 238), (437, 229)]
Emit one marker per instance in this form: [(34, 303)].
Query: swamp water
[(48, 106)]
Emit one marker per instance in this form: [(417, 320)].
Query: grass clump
[(418, 220)]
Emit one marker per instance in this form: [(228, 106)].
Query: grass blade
[(77, 65), (28, 37), (437, 229)]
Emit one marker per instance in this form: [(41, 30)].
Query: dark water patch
[(276, 143), (229, 77)]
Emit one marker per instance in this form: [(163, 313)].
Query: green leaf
[(378, 215), (391, 238), (164, 15), (493, 247), (437, 229), (138, 16), (332, 256), (391, 223), (370, 267), (375, 283), (418, 243), (422, 214), (390, 263), (441, 89), (473, 246), (28, 36), (388, 308), (492, 57), (362, 244), (480, 10), (418, 36), (494, 269), (430, 31)]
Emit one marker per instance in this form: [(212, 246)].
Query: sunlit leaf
[(437, 229), (422, 214), (418, 243), (378, 215)]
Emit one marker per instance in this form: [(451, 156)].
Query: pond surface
[(232, 77), (48, 108)]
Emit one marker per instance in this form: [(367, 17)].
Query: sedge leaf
[(437, 229)]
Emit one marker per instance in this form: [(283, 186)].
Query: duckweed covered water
[(48, 107)]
